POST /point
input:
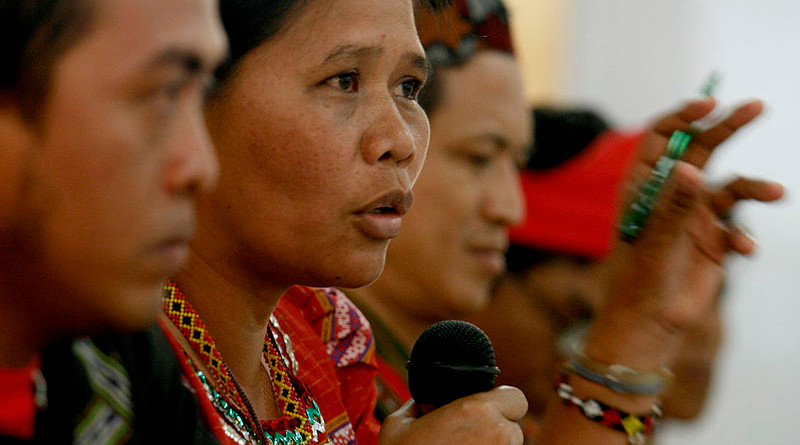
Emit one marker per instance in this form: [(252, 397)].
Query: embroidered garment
[(334, 347), (232, 417), (453, 31), (392, 378), (116, 389)]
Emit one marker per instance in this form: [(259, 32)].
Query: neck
[(24, 326), (18, 344), (236, 314), (404, 324)]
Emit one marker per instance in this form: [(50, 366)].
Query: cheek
[(298, 145), (441, 193), (421, 131)]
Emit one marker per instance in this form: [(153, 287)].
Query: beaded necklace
[(301, 421)]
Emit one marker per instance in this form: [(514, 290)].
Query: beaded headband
[(453, 31)]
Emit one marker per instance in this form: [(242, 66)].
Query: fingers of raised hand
[(682, 118), (739, 241), (704, 143), (673, 207), (726, 197), (660, 132)]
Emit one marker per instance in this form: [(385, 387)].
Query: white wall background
[(635, 58)]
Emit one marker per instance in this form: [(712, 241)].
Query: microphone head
[(451, 359)]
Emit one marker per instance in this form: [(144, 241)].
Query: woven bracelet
[(637, 427), (616, 377)]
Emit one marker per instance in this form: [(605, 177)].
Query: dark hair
[(522, 258), (431, 95), (34, 34), (561, 133), (248, 24)]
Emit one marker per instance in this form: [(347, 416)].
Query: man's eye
[(478, 160), (347, 82)]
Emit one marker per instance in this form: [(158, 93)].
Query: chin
[(358, 273), (132, 309), (474, 298)]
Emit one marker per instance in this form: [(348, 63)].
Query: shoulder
[(134, 380)]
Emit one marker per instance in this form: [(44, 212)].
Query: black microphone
[(451, 359)]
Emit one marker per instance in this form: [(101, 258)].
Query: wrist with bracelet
[(618, 378), (637, 426)]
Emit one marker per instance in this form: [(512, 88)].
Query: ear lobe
[(16, 138)]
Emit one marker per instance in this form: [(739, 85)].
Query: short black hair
[(432, 93), (34, 34), (561, 133), (520, 259)]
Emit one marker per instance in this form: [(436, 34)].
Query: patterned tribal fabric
[(109, 418), (453, 31), (301, 422), (335, 350)]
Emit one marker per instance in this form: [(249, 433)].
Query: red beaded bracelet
[(637, 427)]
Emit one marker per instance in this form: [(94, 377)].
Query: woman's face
[(320, 140)]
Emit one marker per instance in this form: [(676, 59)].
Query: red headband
[(572, 208)]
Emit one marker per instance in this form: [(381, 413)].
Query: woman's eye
[(409, 89), (346, 82)]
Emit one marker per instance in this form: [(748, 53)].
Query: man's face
[(453, 241), (108, 182)]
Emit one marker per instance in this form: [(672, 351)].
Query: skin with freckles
[(312, 146)]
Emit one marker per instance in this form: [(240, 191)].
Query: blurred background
[(633, 59)]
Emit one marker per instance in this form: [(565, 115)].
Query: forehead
[(323, 27), (126, 34), (484, 96)]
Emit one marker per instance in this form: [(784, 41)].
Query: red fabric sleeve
[(334, 347)]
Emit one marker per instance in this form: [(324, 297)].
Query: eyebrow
[(501, 143), (189, 60), (356, 52), (347, 52)]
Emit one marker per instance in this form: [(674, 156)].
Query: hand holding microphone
[(451, 377)]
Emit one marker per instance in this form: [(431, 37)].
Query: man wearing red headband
[(557, 271)]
